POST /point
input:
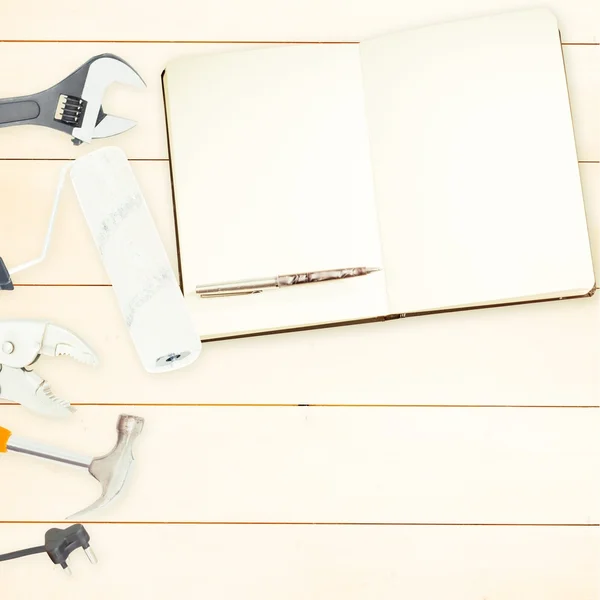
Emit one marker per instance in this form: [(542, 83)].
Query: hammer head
[(112, 469)]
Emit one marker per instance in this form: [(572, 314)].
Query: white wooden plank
[(538, 354), (28, 193), (23, 74), (267, 20), (299, 562), (320, 465), (334, 465), (28, 189)]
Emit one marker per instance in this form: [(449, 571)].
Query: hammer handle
[(18, 111), (33, 448)]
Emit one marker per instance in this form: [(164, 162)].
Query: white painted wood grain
[(537, 354), (298, 562), (247, 463), (268, 20), (293, 464), (148, 138), (28, 193)]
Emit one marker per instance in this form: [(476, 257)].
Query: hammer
[(111, 470)]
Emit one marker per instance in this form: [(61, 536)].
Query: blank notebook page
[(272, 175), (476, 175)]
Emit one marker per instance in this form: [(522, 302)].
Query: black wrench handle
[(19, 111)]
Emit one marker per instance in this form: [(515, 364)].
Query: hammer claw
[(100, 503), (112, 469)]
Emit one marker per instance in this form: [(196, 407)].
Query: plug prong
[(90, 554), (67, 569)]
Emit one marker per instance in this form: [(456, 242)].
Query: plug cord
[(21, 553)]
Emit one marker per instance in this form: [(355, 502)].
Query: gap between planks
[(16, 41), (304, 523), (204, 42), (282, 405), (160, 160), (130, 159)]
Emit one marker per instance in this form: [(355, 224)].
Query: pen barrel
[(318, 276), (247, 286)]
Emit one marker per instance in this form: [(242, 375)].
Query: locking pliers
[(22, 342)]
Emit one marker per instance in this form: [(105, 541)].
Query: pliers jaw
[(31, 391), (22, 342), (58, 341)]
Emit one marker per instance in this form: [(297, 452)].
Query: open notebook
[(444, 155)]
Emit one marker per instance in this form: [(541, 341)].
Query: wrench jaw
[(110, 126), (32, 392), (120, 71), (103, 71)]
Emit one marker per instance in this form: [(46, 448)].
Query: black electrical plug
[(61, 542), (59, 545)]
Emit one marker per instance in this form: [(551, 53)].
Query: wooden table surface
[(453, 456)]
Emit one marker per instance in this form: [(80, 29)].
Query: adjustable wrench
[(74, 106)]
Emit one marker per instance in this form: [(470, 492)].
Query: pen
[(255, 286)]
